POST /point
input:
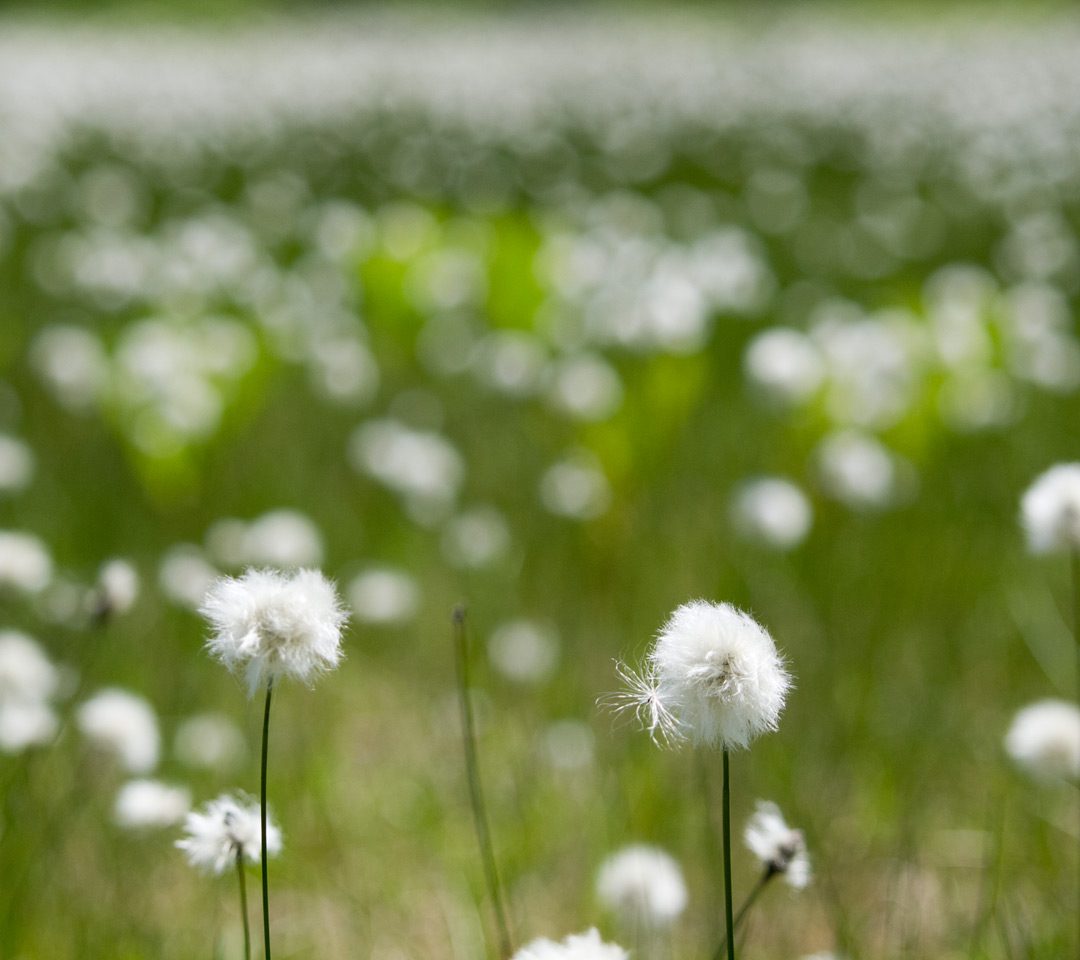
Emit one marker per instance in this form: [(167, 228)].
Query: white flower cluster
[(1050, 510), (28, 685), (1044, 740)]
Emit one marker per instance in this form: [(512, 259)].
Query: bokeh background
[(571, 315)]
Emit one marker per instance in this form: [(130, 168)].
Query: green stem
[(726, 812), (1074, 557), (754, 894), (476, 794), (243, 901), (262, 813)]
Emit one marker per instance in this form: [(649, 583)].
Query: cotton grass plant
[(713, 677), (269, 626)]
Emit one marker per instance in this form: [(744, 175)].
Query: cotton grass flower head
[(580, 946), (1044, 740), (227, 828), (780, 849), (1050, 510), (269, 625), (714, 675), (642, 884)]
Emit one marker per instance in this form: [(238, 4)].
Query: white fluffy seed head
[(643, 885), (270, 625), (1044, 740), (227, 828), (779, 848), (1050, 510), (717, 672), (581, 946), (124, 723)]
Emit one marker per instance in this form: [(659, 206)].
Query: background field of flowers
[(572, 319)]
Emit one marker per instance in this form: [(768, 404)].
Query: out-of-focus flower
[(774, 512), (116, 590), (1044, 740), (16, 464), (209, 741), (270, 625), (1050, 510), (643, 885), (185, 575), (383, 595), (575, 487), (786, 364), (280, 538), (25, 563), (780, 849), (524, 650), (150, 803), (123, 723), (581, 946), (227, 829)]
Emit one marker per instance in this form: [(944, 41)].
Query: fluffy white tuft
[(779, 848), (269, 625), (1044, 740), (717, 672), (581, 946), (643, 885), (1050, 510), (225, 829)]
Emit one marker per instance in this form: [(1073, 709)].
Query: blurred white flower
[(26, 673), (16, 464), (857, 469), (585, 387), (383, 595), (116, 590), (270, 625), (73, 363), (581, 946), (575, 487), (780, 849), (476, 538), (279, 538), (524, 651), (421, 466), (185, 575), (714, 675), (643, 885), (1050, 510), (774, 512), (1044, 740), (227, 829), (123, 723), (26, 723), (25, 563), (785, 364), (150, 803), (569, 744), (209, 741)]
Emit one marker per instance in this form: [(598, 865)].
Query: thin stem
[(726, 805), (1074, 557), (476, 794), (262, 813), (754, 894), (712, 842), (243, 901)]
